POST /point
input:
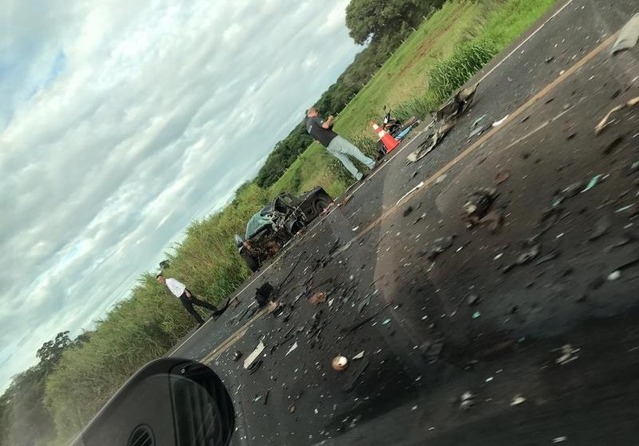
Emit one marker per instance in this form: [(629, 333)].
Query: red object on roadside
[(389, 142)]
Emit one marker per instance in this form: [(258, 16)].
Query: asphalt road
[(542, 312)]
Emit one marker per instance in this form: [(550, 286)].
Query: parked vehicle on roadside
[(270, 229)]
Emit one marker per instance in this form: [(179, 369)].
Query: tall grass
[(449, 74)]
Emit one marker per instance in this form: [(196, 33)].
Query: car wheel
[(320, 204)]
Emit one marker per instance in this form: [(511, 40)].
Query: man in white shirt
[(179, 290)]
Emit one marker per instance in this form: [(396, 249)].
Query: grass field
[(405, 75)]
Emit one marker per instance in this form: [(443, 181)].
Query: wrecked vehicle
[(268, 230)]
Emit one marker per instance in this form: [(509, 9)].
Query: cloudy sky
[(121, 122)]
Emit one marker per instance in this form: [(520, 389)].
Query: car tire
[(320, 204)]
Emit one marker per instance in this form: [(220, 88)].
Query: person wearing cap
[(188, 299), (337, 146)]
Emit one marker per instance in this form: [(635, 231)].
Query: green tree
[(372, 19)]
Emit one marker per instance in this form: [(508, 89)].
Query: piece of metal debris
[(441, 245), (559, 440), (473, 299), (502, 176), (290, 350), (501, 121), (254, 354), (592, 183), (466, 401), (568, 354), (476, 315), (478, 205), (410, 192), (237, 355), (628, 36), (604, 123), (517, 400), (528, 255), (360, 355), (615, 275)]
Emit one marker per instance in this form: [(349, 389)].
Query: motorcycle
[(397, 129)]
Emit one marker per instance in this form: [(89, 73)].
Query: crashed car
[(268, 230)]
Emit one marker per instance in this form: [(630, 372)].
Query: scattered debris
[(360, 355), (339, 363), (363, 304), (517, 400), (291, 408), (318, 297), (444, 120), (603, 124), (255, 366), (559, 439), (477, 206), (601, 228), (467, 400), (266, 395), (386, 322), (407, 194), (628, 36), (290, 350), (631, 210), (473, 299), (592, 183), (568, 354), (254, 354), (502, 176), (476, 315), (407, 211), (263, 294), (501, 121), (528, 255), (615, 275), (476, 128), (547, 258), (237, 356), (440, 245)]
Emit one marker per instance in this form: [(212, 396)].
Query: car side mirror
[(169, 402)]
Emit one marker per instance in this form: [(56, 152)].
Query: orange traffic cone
[(389, 142)]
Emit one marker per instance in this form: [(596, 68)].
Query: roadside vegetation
[(65, 390)]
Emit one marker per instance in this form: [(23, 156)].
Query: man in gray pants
[(339, 147)]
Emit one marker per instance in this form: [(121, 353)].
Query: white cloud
[(123, 121)]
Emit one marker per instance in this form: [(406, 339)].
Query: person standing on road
[(336, 145), (179, 290)]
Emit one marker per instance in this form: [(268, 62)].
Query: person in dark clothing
[(179, 290), (336, 145)]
